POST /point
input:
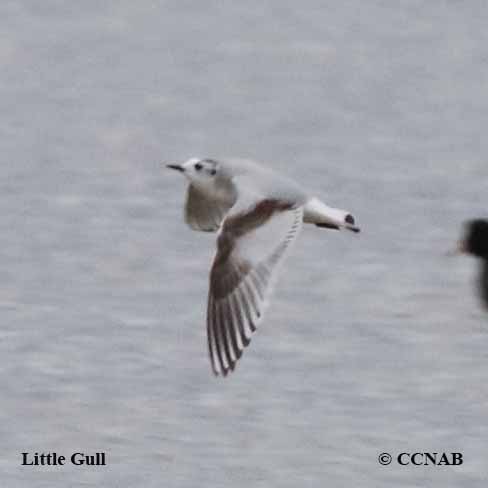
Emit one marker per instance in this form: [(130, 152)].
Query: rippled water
[(373, 343)]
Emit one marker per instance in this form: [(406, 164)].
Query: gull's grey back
[(254, 178)]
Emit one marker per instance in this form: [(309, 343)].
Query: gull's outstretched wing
[(205, 213), (253, 240)]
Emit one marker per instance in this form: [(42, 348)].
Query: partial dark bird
[(475, 242)]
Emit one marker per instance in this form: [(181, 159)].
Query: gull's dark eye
[(198, 166)]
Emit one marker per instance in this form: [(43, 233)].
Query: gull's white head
[(201, 172)]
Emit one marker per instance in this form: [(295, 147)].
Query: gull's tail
[(318, 213)]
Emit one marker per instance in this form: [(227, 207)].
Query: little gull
[(258, 214)]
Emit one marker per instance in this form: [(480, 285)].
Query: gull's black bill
[(177, 167)]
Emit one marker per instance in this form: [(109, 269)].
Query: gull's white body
[(257, 214)]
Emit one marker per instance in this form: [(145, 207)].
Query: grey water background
[(373, 342)]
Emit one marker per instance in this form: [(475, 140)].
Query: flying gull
[(257, 214)]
